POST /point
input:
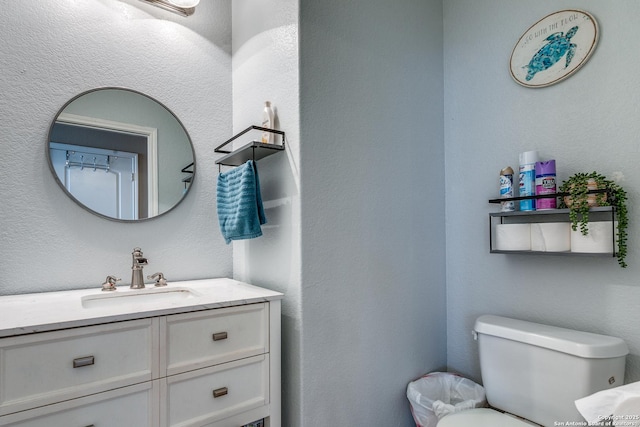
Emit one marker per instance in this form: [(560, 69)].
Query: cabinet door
[(41, 369), (133, 406), (197, 340), (209, 395)]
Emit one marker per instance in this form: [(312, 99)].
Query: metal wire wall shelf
[(254, 150), (601, 213)]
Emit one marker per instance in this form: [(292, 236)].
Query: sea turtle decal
[(552, 52)]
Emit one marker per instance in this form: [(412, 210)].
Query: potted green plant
[(579, 200)]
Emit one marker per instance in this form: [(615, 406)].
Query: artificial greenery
[(578, 202)]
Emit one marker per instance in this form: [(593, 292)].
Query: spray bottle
[(527, 183), (506, 189), (546, 184)]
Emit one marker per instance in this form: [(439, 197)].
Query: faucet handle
[(159, 277), (110, 283)]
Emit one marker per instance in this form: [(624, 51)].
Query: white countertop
[(47, 311)]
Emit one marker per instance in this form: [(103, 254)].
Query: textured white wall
[(53, 50), (265, 67), (372, 177), (588, 122)]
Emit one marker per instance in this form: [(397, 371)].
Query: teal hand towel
[(240, 210)]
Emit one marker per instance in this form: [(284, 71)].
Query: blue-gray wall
[(587, 122), (372, 174)]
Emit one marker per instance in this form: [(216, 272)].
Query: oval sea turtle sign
[(554, 48)]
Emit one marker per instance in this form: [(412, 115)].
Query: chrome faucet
[(137, 278)]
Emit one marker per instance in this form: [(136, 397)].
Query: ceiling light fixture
[(182, 7)]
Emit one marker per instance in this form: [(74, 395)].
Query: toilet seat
[(481, 417)]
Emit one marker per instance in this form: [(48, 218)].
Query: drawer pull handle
[(219, 336), (219, 392), (83, 361), (91, 425)]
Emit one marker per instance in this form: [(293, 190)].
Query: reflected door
[(106, 181)]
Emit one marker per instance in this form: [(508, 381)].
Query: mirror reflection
[(121, 154)]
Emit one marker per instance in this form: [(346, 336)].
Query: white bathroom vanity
[(193, 353)]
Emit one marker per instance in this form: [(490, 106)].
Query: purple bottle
[(546, 183)]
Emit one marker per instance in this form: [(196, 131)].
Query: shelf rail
[(549, 196)]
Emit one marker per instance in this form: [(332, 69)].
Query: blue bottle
[(527, 184)]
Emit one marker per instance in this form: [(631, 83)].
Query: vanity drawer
[(125, 407), (198, 340), (44, 368), (208, 395)]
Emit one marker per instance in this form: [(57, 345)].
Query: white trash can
[(438, 394)]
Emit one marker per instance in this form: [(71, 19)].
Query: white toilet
[(536, 372)]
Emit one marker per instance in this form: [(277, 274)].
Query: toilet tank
[(537, 371)]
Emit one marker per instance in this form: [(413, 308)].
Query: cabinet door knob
[(219, 336), (219, 392), (83, 361)]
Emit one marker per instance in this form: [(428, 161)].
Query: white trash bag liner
[(442, 393)]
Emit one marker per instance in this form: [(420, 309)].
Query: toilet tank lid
[(582, 344)]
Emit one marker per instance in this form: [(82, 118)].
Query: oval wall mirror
[(121, 154)]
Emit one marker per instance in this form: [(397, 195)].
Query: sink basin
[(139, 296)]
